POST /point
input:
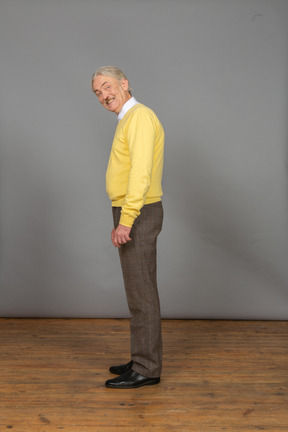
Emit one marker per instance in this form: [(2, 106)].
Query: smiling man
[(133, 184)]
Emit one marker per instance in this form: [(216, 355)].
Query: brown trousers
[(138, 262)]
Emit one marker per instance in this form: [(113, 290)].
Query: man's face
[(112, 94)]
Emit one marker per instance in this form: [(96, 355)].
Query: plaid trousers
[(138, 262)]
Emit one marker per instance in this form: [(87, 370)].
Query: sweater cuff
[(126, 220)]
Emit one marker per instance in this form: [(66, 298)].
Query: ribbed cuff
[(126, 220)]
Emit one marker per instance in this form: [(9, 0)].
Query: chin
[(111, 108)]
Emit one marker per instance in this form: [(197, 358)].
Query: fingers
[(118, 239), (113, 238), (120, 236), (121, 240)]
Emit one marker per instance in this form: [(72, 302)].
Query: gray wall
[(215, 72)]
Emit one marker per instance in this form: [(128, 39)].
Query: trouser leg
[(138, 262)]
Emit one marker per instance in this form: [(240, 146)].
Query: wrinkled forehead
[(100, 80)]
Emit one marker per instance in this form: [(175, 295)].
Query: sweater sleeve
[(141, 135)]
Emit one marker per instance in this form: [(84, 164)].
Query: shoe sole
[(156, 381)]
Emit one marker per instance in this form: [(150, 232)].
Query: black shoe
[(119, 370), (129, 380)]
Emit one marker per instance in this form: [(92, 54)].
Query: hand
[(120, 235)]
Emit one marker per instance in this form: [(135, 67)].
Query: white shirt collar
[(126, 107)]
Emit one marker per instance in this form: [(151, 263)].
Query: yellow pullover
[(134, 171)]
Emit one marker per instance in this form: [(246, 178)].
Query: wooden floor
[(217, 376)]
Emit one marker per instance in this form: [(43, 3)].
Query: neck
[(126, 100)]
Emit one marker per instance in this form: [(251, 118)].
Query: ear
[(124, 84)]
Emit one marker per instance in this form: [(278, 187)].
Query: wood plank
[(217, 376)]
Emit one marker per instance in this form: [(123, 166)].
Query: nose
[(104, 94)]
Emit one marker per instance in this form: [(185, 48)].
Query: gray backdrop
[(215, 72)]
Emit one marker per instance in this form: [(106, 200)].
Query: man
[(133, 183)]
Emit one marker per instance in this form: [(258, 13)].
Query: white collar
[(126, 107)]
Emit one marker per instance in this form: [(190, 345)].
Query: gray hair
[(113, 72)]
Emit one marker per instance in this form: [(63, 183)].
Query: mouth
[(109, 101)]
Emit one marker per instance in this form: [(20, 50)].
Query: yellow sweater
[(134, 171)]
